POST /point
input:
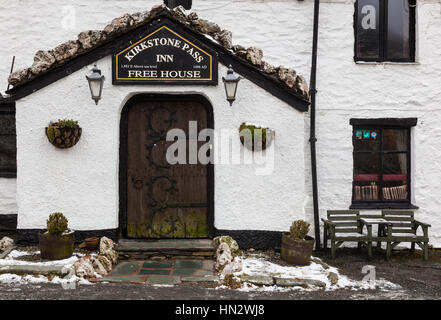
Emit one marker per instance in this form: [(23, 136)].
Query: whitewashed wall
[(28, 26), (283, 28), (348, 90), (82, 182), (8, 202)]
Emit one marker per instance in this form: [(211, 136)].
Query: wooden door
[(163, 200)]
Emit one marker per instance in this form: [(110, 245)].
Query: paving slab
[(163, 272), (169, 280), (207, 278)]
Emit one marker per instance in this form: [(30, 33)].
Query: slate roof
[(50, 66)]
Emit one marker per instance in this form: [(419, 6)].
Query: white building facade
[(393, 98)]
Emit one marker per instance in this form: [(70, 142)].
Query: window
[(8, 145), (175, 3), (381, 177), (385, 30)]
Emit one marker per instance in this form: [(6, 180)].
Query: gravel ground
[(418, 279)]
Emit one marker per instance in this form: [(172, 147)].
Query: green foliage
[(64, 123), (259, 132), (52, 129), (299, 229), (56, 224)]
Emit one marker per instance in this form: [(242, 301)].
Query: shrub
[(259, 132), (299, 229), (56, 224), (52, 129)]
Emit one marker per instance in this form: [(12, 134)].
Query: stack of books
[(395, 193), (366, 192)]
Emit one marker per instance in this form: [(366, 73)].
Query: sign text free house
[(164, 56)]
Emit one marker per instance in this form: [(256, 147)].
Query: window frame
[(10, 172), (384, 124), (383, 4)]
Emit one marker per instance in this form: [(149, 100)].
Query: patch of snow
[(9, 278), (10, 260), (258, 266)]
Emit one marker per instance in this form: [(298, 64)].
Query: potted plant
[(63, 133), (57, 241), (249, 134), (297, 245)]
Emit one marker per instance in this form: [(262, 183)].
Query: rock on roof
[(88, 40)]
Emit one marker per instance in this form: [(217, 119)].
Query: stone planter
[(296, 252), (56, 247), (249, 142), (64, 137)]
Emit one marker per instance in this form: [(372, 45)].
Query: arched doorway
[(158, 199)]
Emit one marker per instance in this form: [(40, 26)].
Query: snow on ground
[(258, 266), (9, 278)]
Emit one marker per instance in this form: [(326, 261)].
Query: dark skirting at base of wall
[(30, 236), (8, 222), (254, 239)]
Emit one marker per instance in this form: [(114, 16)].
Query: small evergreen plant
[(299, 229), (56, 224)]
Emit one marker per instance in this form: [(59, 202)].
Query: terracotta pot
[(65, 137), (92, 243), (296, 252), (54, 247)]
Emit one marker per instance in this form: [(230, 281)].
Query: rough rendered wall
[(8, 203), (82, 181), (348, 90), (30, 25)]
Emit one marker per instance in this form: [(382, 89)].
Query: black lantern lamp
[(96, 81), (231, 82)]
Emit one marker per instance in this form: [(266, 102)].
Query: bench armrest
[(325, 221), (422, 224)]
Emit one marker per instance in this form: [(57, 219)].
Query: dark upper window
[(381, 162), (8, 144), (385, 30), (175, 3)]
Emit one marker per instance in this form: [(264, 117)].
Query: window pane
[(395, 139), (366, 163), (366, 140), (395, 176), (366, 176), (398, 29), (7, 152), (368, 29)]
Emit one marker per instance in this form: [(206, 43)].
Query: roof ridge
[(45, 61)]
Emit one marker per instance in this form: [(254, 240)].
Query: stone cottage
[(376, 116)]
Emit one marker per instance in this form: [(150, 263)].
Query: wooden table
[(383, 226)]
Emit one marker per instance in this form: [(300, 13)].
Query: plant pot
[(92, 243), (56, 247), (249, 143), (65, 137), (296, 252)]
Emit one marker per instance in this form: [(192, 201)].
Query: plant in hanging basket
[(255, 138), (63, 133)]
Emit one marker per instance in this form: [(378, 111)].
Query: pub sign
[(165, 57)]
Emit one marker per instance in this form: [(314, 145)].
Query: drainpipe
[(312, 137)]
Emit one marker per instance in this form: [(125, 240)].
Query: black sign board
[(165, 57)]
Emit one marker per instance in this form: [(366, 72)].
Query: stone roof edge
[(45, 61)]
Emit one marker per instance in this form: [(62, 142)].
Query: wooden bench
[(404, 229), (342, 226)]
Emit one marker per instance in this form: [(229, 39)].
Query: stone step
[(165, 248)]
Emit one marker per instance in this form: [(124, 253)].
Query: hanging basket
[(63, 136), (266, 135)]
